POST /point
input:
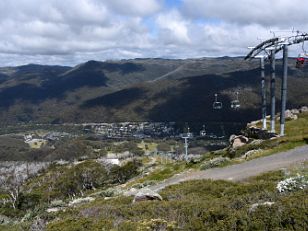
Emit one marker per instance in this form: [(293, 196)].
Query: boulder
[(251, 153), (238, 141), (295, 111), (290, 116), (146, 195), (303, 109)]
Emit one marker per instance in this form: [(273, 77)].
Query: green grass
[(162, 172)]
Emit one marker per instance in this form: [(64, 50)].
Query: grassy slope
[(194, 205), (197, 205)]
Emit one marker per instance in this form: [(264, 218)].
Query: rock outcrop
[(146, 195), (258, 133)]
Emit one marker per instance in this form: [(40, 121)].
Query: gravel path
[(241, 171)]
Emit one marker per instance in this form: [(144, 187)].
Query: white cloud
[(284, 13), (173, 28), (70, 26), (73, 31), (135, 8)]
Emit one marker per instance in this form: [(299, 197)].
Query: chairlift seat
[(235, 104), (300, 61), (217, 105)]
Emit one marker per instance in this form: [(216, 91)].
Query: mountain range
[(141, 90)]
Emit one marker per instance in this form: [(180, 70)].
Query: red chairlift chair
[(300, 61)]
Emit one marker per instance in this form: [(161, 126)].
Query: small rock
[(253, 207), (147, 194), (55, 209)]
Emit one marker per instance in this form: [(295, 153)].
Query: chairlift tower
[(275, 45), (284, 89), (273, 87), (186, 136), (263, 91)]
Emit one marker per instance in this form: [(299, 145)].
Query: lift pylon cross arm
[(261, 47), (276, 42)]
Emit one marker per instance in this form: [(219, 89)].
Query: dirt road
[(241, 171)]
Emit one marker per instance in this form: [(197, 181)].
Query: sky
[(69, 32)]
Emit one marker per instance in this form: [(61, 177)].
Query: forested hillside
[(140, 90)]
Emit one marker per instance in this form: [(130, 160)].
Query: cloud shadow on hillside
[(52, 88), (117, 99), (194, 100)]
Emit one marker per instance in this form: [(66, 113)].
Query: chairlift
[(300, 60), (203, 131), (217, 105), (235, 104)]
